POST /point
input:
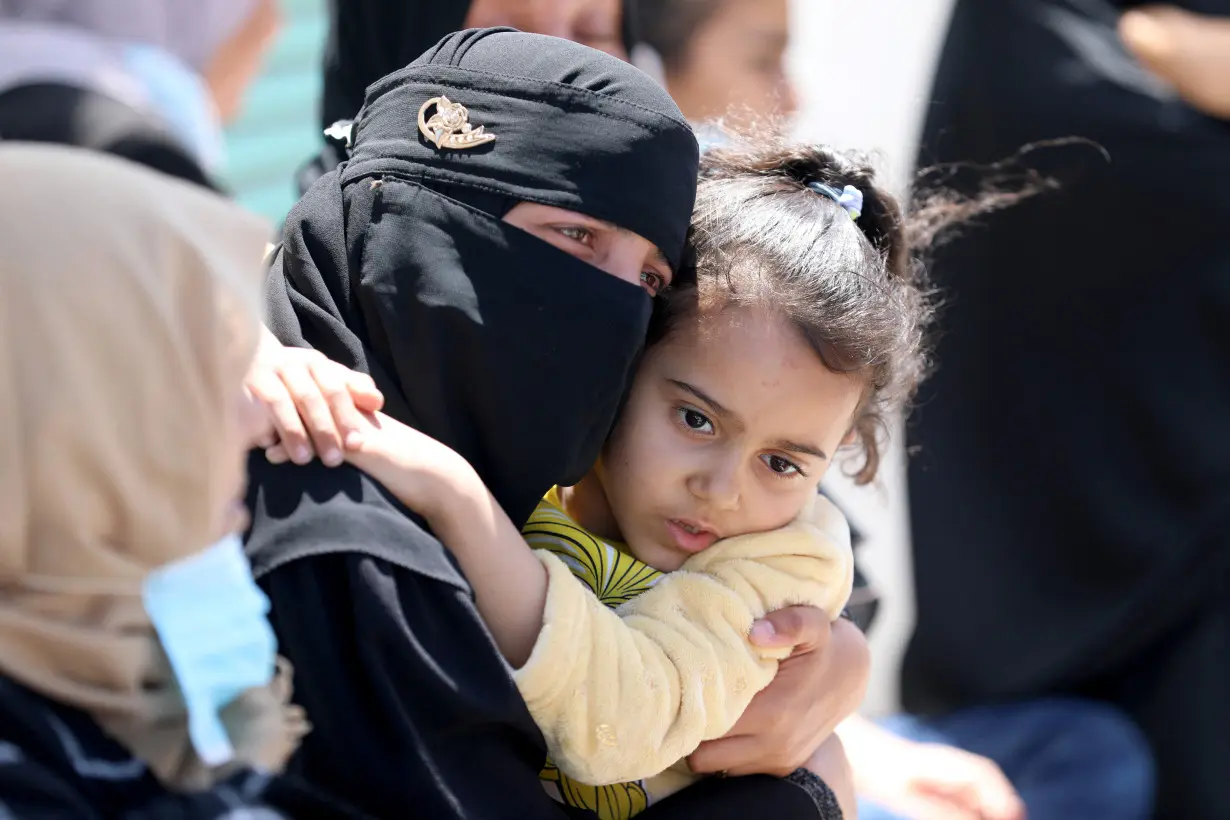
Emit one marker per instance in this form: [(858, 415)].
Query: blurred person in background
[(138, 675), (1071, 499), (152, 81), (1189, 50), (719, 59), (715, 57), (369, 39)]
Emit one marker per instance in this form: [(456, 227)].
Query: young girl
[(798, 327)]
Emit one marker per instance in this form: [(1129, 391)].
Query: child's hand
[(425, 475), (815, 689), (313, 404), (433, 480)]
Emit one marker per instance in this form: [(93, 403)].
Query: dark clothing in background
[(369, 39), (494, 342), (67, 115), (55, 762), (1071, 499)]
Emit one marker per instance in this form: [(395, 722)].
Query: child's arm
[(619, 694), (624, 694), (510, 584)]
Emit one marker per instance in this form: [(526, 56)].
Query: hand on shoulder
[(1190, 51), (313, 404)]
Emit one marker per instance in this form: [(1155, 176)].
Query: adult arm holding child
[(816, 687), (675, 667)]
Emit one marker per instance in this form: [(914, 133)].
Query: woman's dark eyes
[(653, 282)]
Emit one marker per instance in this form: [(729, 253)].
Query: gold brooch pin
[(449, 127)]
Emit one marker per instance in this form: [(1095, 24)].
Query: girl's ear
[(850, 438)]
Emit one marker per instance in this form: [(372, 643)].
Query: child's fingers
[(276, 454)]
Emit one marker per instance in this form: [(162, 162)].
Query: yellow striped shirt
[(615, 576)]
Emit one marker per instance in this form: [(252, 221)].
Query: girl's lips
[(689, 536)]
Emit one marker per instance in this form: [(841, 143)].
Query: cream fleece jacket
[(625, 694)]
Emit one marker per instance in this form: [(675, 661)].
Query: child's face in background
[(734, 66), (731, 424)]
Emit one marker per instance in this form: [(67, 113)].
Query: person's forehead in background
[(595, 23), (722, 58)]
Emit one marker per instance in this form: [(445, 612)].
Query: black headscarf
[(505, 348)]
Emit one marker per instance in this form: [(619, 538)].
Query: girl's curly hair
[(857, 291)]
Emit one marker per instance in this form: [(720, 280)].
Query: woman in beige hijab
[(137, 670)]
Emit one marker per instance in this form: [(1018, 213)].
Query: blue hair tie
[(849, 198)]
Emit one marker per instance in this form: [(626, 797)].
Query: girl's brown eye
[(653, 282), (783, 467)]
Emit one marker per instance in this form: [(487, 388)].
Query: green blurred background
[(278, 127)]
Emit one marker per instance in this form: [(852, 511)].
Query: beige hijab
[(129, 312)]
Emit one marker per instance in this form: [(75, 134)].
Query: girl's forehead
[(748, 348), (757, 366)]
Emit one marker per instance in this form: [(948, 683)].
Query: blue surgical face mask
[(210, 617)]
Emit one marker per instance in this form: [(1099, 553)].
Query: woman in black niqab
[(510, 351)]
